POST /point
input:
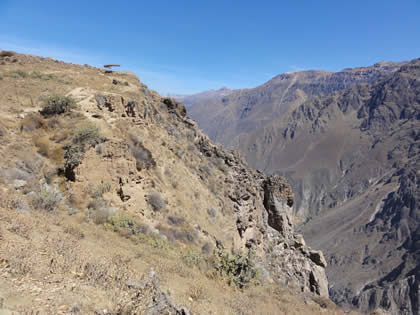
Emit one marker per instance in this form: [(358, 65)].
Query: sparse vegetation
[(128, 226), (42, 76), (57, 105), (16, 74)]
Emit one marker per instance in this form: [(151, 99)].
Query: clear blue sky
[(190, 46)]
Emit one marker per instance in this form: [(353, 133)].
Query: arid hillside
[(112, 201)]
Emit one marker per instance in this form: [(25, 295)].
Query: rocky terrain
[(113, 201), (351, 153)]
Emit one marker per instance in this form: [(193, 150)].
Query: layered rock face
[(262, 205)]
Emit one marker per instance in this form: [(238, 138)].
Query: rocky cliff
[(103, 180)]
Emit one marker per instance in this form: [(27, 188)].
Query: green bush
[(238, 269), (57, 105), (73, 155), (88, 136)]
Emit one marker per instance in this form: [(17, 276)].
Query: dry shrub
[(32, 122), (144, 158), (56, 154), (47, 198), (197, 292), (185, 234), (61, 135), (174, 220), (99, 212), (75, 231), (20, 228), (156, 202), (192, 258), (97, 191), (43, 145)]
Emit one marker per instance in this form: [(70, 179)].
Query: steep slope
[(108, 192), (353, 158), (232, 118)]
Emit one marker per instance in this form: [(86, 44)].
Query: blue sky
[(191, 46)]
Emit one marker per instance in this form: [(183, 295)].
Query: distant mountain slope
[(349, 144), (354, 157), (203, 96), (229, 119)]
